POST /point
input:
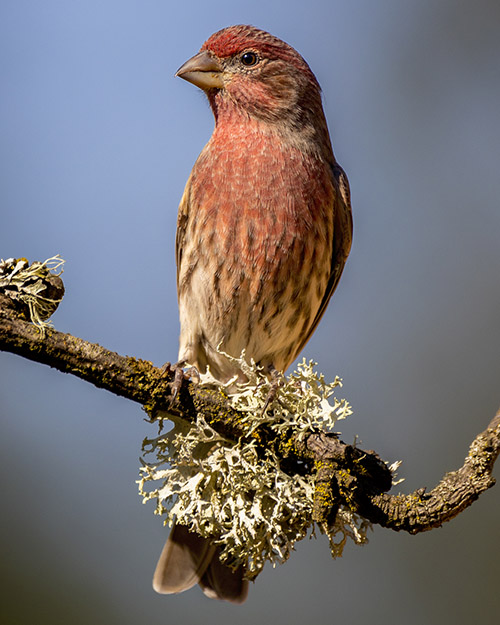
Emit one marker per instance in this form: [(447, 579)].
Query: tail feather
[(188, 559), (221, 582), (183, 561)]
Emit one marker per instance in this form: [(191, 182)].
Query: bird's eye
[(249, 59)]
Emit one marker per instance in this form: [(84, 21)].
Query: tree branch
[(345, 475), (122, 375)]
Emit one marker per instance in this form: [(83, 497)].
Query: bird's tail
[(188, 559)]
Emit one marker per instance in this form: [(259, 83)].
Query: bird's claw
[(277, 380), (180, 375)]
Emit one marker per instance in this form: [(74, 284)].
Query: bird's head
[(244, 69)]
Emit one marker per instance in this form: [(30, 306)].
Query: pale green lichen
[(240, 496), (26, 283)]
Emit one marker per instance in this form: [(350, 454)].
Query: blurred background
[(97, 139)]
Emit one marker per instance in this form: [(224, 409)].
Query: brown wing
[(182, 219), (342, 239)]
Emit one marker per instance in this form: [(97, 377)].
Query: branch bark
[(345, 475)]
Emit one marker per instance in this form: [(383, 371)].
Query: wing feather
[(342, 239), (182, 221)]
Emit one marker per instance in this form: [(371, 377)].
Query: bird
[(264, 230)]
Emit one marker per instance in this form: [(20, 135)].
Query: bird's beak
[(203, 70)]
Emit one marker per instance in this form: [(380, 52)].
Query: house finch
[(264, 230)]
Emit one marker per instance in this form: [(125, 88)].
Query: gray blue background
[(97, 139)]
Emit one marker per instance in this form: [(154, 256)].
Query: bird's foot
[(277, 379), (181, 374)]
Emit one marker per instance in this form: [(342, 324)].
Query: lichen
[(235, 491), (29, 285)]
